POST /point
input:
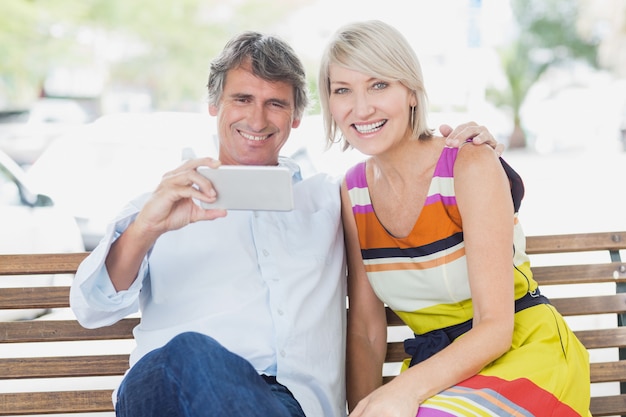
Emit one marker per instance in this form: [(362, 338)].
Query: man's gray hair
[(270, 58)]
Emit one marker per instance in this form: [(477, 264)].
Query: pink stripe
[(355, 177), (362, 209), (445, 165), (429, 412), (436, 198)]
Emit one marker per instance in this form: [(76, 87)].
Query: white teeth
[(369, 128), (250, 137)]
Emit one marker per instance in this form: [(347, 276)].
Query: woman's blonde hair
[(378, 49)]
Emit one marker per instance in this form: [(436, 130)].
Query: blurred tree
[(547, 36), (161, 47), (29, 42)]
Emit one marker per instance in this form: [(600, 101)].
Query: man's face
[(254, 118)]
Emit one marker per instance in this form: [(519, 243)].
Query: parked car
[(31, 223), (95, 170), (24, 135)]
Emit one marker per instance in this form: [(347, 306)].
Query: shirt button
[(283, 353), (280, 312), (265, 252)]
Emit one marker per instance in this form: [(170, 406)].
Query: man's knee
[(191, 342), (201, 354), (160, 376)]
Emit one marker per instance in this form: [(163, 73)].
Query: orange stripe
[(429, 228), (493, 400), (402, 266)]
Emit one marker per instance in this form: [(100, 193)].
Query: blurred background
[(97, 97)]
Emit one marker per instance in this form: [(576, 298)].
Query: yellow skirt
[(545, 373)]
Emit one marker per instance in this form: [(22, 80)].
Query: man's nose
[(258, 118)]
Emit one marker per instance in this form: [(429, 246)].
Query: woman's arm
[(367, 322), (484, 200)]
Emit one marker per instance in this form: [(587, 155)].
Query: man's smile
[(253, 137)]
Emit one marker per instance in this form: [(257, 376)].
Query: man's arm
[(479, 135), (170, 207)]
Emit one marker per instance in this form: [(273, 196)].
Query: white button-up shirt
[(269, 286)]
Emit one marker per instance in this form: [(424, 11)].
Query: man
[(242, 313)]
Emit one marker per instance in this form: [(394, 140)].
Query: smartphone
[(250, 187)]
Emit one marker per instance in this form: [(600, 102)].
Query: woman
[(432, 232)]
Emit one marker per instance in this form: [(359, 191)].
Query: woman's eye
[(380, 85), (340, 91)]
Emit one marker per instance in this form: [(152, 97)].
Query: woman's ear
[(413, 101)]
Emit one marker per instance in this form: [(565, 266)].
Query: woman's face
[(373, 114)]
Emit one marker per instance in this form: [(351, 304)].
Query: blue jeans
[(193, 375)]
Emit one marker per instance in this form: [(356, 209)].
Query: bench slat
[(49, 263), (62, 331), (592, 339), (579, 274), (573, 306), (395, 352), (392, 318), (599, 304), (608, 406), (63, 366), (603, 338), (577, 242), (34, 297), (27, 403), (608, 371)]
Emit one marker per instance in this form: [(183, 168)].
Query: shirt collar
[(293, 167)]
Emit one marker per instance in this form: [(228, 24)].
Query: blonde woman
[(433, 232)]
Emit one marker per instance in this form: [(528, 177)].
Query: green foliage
[(161, 47), (553, 24), (547, 37), (27, 45)]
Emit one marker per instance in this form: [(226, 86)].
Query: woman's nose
[(363, 106)]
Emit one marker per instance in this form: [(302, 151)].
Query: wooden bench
[(580, 284)]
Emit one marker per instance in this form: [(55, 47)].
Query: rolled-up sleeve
[(93, 298)]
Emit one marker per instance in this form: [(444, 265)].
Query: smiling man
[(254, 117), (241, 314)]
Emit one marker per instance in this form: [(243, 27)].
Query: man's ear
[(295, 123), (212, 110)]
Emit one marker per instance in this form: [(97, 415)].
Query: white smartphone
[(250, 187)]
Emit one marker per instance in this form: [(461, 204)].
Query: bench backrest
[(52, 365), (64, 393)]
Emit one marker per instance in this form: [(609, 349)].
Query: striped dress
[(424, 279)]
